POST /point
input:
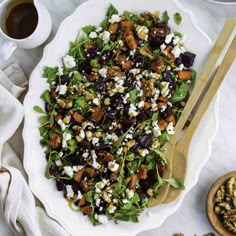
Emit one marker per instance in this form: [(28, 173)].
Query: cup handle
[(7, 49)]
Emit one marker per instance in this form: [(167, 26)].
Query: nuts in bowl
[(221, 204)]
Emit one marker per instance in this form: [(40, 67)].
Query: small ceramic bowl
[(214, 219)]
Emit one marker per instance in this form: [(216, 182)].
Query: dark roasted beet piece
[(85, 67), (86, 145), (188, 58), (102, 147), (99, 85), (116, 100), (60, 185), (53, 170), (105, 58), (144, 184), (60, 110), (178, 61), (142, 116), (166, 112), (48, 108), (140, 43), (64, 79), (145, 140), (91, 52), (156, 42), (141, 193), (76, 187), (152, 177), (149, 113), (75, 160), (129, 81), (135, 148), (112, 113), (168, 78), (139, 61)]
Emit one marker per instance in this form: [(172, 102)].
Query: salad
[(109, 109)]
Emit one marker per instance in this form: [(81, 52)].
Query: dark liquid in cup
[(22, 21)]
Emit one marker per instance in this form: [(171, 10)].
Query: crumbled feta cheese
[(69, 61), (143, 152), (103, 72), (69, 191), (135, 71), (170, 128), (176, 51), (95, 164), (183, 38), (68, 171), (62, 89), (58, 163), (115, 201), (111, 209), (162, 47), (155, 75), (62, 124), (132, 110), (169, 38), (85, 155), (183, 49), (96, 101), (125, 201), (93, 35), (105, 36), (99, 29), (77, 168), (119, 151), (156, 131), (66, 137), (163, 108), (176, 40), (129, 193), (60, 71), (98, 201), (103, 219), (165, 89), (115, 18), (113, 166), (129, 136), (79, 195), (82, 134), (180, 67), (95, 141), (141, 104)]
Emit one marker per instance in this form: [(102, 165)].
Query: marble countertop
[(190, 218)]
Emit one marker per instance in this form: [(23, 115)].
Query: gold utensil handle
[(205, 75)]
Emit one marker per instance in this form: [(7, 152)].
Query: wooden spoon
[(204, 77), (180, 160)]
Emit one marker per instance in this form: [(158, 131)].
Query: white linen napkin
[(17, 204)]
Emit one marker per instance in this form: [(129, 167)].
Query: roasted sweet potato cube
[(158, 65), (97, 113), (90, 172), (78, 118), (133, 181), (86, 210), (162, 124), (147, 105), (160, 105), (185, 74), (82, 201), (113, 28), (142, 172), (55, 141), (84, 186), (130, 40), (172, 119), (78, 175), (127, 25), (163, 99)]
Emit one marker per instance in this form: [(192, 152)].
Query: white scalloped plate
[(92, 13)]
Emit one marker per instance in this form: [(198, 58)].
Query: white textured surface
[(190, 218)]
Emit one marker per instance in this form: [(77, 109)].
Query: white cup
[(39, 36)]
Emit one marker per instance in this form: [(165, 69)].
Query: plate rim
[(26, 144)]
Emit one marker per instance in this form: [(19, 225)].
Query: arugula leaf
[(178, 34), (155, 116), (46, 97), (133, 96), (95, 64), (39, 109), (43, 120), (176, 183), (163, 138), (193, 75), (88, 29), (93, 220), (111, 10), (177, 18), (161, 154), (109, 46), (72, 146), (50, 73), (165, 17), (81, 102), (89, 196), (77, 78), (180, 93), (130, 16)]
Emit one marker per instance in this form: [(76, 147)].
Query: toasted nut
[(66, 120), (90, 172), (78, 138), (158, 65), (163, 99), (142, 172), (172, 119), (61, 103), (78, 175), (55, 140), (69, 104), (97, 114), (98, 134), (107, 101), (106, 197), (133, 180), (78, 118), (146, 52), (89, 135), (147, 105), (130, 143), (58, 117), (88, 96), (76, 128), (150, 192)]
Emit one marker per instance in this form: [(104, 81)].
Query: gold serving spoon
[(170, 148)]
